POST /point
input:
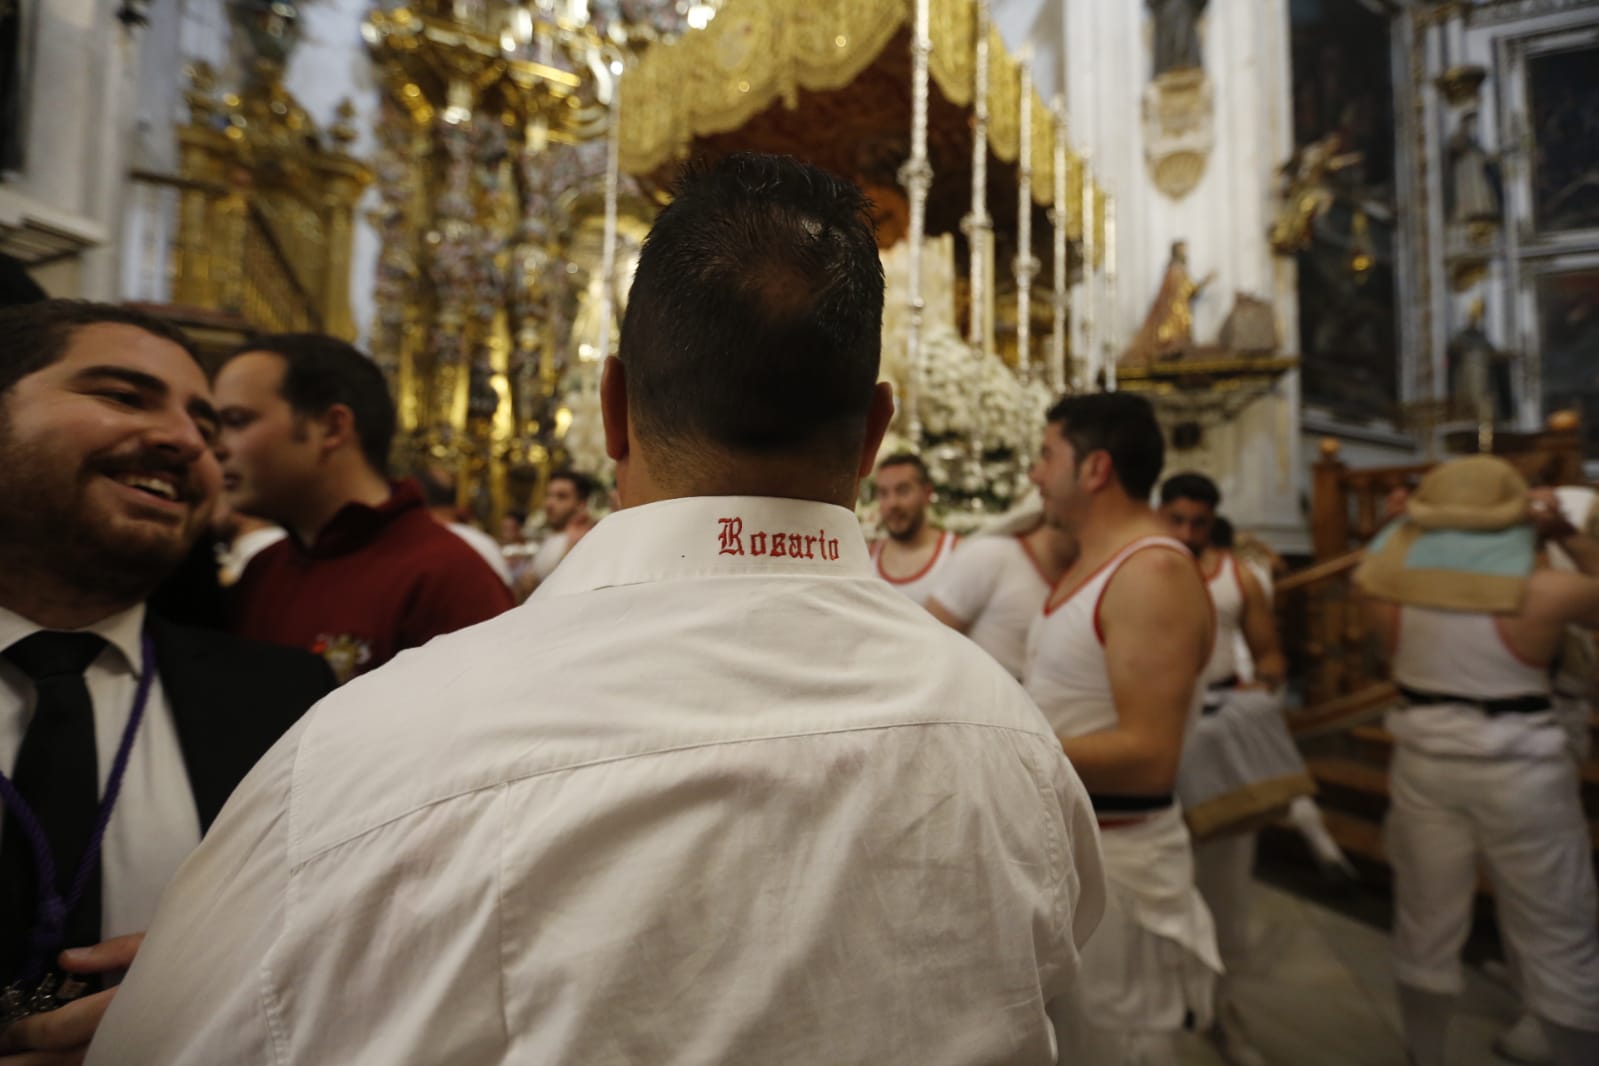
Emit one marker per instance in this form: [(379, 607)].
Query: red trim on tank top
[(1027, 549), (937, 554)]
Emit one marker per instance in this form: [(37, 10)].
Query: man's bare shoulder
[(1161, 570), (1560, 595)]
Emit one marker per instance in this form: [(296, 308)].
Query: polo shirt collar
[(714, 536), (357, 524)]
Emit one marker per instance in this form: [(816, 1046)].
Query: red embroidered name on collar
[(776, 544)]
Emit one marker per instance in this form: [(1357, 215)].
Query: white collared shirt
[(715, 794), (155, 824)]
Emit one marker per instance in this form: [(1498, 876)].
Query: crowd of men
[(733, 785)]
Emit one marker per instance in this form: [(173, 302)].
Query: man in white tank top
[(1481, 772), (911, 557), (1241, 767), (996, 585), (1114, 662)]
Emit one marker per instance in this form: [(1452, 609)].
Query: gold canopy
[(758, 52)]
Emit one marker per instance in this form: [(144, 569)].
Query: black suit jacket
[(231, 700)]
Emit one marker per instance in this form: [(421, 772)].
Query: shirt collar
[(123, 631), (358, 524), (713, 536)]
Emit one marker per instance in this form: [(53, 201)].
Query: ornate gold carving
[(1460, 84), (265, 207), (1178, 129)]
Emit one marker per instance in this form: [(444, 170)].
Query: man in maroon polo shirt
[(365, 572)]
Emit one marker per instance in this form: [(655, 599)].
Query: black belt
[(1503, 705), (1129, 804), (1216, 694)]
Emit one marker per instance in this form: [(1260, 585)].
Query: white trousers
[(1224, 872), (1523, 819)]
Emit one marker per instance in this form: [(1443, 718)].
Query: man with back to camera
[(1114, 660), (307, 424), (916, 550), (106, 422), (1481, 770), (715, 794)]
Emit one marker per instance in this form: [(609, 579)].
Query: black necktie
[(57, 773)]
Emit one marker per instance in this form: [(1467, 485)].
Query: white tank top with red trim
[(918, 586), (1065, 672), (1458, 653), (1226, 590)]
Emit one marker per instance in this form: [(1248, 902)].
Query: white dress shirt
[(715, 794), (155, 824)]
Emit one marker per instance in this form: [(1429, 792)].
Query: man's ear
[(1097, 470), (337, 428), (613, 408), (878, 416)]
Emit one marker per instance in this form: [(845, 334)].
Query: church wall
[(1256, 455), (76, 135)]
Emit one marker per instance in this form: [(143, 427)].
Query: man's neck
[(1112, 522), (1054, 551), (1209, 558), (53, 603), (363, 486)]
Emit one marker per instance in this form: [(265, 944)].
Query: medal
[(54, 990)]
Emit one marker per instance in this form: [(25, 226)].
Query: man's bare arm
[(1260, 630), (1563, 598), (942, 613), (1156, 619)]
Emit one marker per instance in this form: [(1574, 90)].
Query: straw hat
[(1477, 493)]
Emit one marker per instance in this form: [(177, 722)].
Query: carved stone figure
[(1168, 330), (1176, 36), (1472, 189), (1479, 374)]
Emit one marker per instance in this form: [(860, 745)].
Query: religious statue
[(1168, 330), (1307, 191), (1472, 188), (1479, 374), (1176, 26)]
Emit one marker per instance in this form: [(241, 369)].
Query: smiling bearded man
[(121, 735)]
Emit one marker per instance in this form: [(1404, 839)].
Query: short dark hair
[(907, 459), (37, 334), (754, 324), (320, 371), (1120, 423), (581, 483), (1190, 486), (437, 491), (1222, 535)]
